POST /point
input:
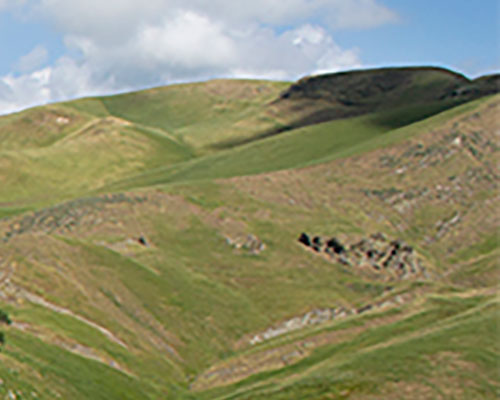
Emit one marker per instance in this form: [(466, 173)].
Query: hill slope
[(189, 281)]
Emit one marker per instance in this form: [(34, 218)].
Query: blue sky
[(459, 34), (54, 50)]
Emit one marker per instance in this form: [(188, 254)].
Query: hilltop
[(330, 238)]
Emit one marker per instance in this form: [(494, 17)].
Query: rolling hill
[(333, 238)]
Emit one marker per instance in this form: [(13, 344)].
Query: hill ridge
[(140, 259)]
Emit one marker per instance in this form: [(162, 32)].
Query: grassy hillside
[(153, 133), (295, 149), (138, 260), (197, 114)]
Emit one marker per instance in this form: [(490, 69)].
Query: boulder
[(305, 239)]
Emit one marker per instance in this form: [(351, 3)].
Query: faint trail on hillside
[(447, 323), (76, 132), (160, 132), (6, 271), (42, 302), (72, 346)]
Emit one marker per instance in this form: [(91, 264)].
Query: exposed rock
[(314, 317), (254, 244), (444, 226), (65, 216), (62, 120), (251, 243), (393, 258), (322, 315), (363, 309)]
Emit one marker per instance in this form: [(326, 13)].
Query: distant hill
[(421, 92), (336, 237)]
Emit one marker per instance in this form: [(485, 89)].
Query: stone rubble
[(322, 315), (394, 258)]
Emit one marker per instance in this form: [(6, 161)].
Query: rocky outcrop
[(322, 315), (314, 317), (65, 217), (251, 243), (390, 257)]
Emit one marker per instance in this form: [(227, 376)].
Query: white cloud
[(117, 45), (189, 40), (319, 47), (66, 79), (116, 19), (34, 59), (109, 21), (24, 91)]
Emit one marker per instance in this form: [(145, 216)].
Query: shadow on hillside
[(388, 120), (395, 97)]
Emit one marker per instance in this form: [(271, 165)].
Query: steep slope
[(421, 91), (401, 95), (200, 289), (151, 136)]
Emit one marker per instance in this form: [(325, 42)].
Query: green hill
[(149, 241)]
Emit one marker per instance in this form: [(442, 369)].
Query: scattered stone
[(251, 243), (444, 226), (393, 258), (314, 317), (65, 216), (379, 236), (62, 120), (364, 308), (322, 315)]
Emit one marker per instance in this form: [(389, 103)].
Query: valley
[(149, 241)]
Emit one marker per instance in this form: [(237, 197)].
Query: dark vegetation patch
[(405, 95), (4, 318), (398, 96)]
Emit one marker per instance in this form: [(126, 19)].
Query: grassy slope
[(97, 151), (413, 357), (301, 147), (197, 114), (104, 140), (192, 292), (97, 155), (41, 150)]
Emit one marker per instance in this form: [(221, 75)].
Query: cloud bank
[(118, 45)]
